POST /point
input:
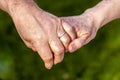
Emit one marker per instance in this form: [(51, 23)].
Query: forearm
[(105, 11), (10, 6)]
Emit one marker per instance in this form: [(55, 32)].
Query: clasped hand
[(49, 35)]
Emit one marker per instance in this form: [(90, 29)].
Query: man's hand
[(41, 31)]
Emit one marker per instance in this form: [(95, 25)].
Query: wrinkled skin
[(85, 30), (40, 31)]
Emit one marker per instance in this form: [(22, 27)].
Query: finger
[(91, 36), (69, 29), (45, 53), (64, 37), (57, 48), (78, 43)]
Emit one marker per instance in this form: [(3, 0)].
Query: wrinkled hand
[(85, 28), (40, 31)]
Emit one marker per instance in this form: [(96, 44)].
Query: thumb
[(76, 44)]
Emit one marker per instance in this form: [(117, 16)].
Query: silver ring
[(62, 35)]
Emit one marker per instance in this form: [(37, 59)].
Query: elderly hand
[(41, 31), (87, 24), (85, 28)]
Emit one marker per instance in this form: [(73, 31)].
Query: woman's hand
[(85, 28), (87, 24)]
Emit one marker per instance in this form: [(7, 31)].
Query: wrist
[(16, 6), (103, 13), (96, 18)]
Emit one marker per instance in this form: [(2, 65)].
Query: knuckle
[(40, 39), (70, 29), (36, 38), (67, 40), (86, 35), (59, 51), (48, 58), (85, 32)]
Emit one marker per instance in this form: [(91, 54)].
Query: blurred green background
[(98, 60)]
